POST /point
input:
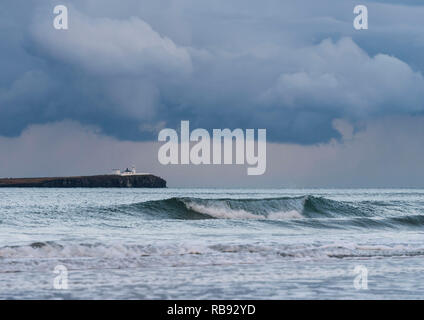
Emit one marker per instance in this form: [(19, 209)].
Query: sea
[(211, 243)]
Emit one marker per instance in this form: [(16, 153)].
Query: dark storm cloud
[(134, 67)]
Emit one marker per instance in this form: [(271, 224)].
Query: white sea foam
[(223, 212), (103, 251), (44, 256)]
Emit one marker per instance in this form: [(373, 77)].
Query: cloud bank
[(133, 68)]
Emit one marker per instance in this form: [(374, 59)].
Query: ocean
[(211, 243)]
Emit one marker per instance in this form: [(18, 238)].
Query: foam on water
[(228, 213), (180, 243)]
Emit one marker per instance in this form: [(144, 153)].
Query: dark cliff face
[(101, 181)]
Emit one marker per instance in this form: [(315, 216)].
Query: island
[(97, 181)]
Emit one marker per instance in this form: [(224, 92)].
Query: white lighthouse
[(127, 172)]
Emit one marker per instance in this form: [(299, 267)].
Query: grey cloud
[(132, 67), (110, 47), (341, 78)]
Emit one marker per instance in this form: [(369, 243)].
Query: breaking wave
[(197, 208), (307, 210), (42, 255)]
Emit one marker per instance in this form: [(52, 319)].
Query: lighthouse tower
[(128, 172)]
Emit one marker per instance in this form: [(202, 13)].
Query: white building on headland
[(127, 172)]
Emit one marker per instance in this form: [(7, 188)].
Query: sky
[(342, 107)]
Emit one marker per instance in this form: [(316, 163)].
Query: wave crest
[(310, 211), (282, 208), (226, 209)]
